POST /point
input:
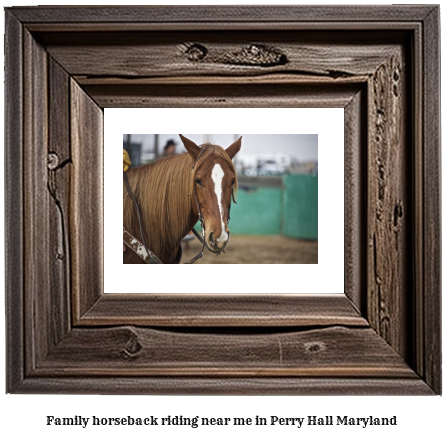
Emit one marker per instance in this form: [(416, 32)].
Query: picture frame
[(65, 64)]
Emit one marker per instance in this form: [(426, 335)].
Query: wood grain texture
[(431, 317), (86, 197), (355, 193), (222, 14), (59, 181), (14, 238), (306, 26), (388, 203), (220, 53), (281, 56), (239, 310), (225, 96), (227, 386), (273, 79), (129, 351), (418, 358), (38, 305)]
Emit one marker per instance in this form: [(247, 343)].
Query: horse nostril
[(211, 239)]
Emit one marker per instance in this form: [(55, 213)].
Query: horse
[(172, 191)]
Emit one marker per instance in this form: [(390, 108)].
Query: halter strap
[(144, 253)]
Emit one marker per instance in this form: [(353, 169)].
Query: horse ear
[(234, 148), (191, 147)]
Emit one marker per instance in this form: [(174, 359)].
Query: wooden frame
[(64, 65)]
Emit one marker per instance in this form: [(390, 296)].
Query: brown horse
[(166, 192)]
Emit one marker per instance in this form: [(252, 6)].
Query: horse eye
[(233, 182), (198, 181)]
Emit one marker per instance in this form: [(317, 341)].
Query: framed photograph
[(67, 334), (267, 212), (280, 213)]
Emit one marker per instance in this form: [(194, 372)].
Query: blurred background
[(275, 219)]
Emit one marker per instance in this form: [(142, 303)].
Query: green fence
[(300, 200), (291, 210), (258, 211)]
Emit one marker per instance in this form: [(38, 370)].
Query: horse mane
[(161, 189)]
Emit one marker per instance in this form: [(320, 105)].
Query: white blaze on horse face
[(217, 177)]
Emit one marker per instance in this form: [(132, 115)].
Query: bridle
[(147, 255)]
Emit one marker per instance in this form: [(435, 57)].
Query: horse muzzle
[(219, 244)]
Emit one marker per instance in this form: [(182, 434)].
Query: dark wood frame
[(64, 65)]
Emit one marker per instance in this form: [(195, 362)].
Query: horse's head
[(214, 181)]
